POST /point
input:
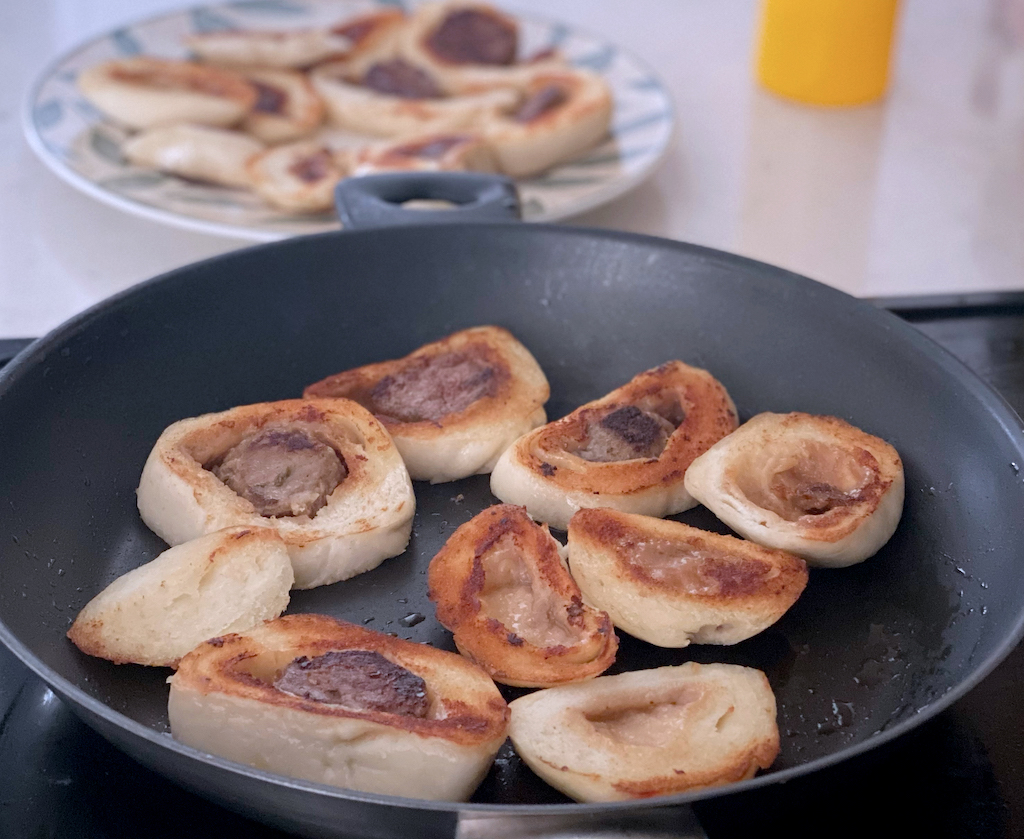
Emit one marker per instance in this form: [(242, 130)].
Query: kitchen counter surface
[(923, 193)]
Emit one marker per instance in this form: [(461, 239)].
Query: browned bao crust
[(502, 589), (558, 469), (223, 699), (451, 406), (649, 732), (671, 584)]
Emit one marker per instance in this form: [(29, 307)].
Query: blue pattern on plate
[(270, 7), (597, 61), (48, 114), (125, 43), (640, 122), (206, 20)]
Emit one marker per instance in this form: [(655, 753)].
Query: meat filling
[(313, 167), (527, 608), (695, 570), (282, 471), (544, 100), (269, 99), (428, 389), (625, 434), (399, 78), (471, 36), (809, 478), (361, 680), (645, 720)]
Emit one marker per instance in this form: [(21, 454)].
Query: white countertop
[(923, 193)]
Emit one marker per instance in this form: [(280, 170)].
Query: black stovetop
[(960, 774)]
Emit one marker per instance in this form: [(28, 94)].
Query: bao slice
[(812, 485), (502, 588), (627, 450), (299, 177), (323, 473), (432, 152), (287, 107), (649, 732), (142, 92), (452, 406), (229, 581), (322, 700), (563, 113), (672, 585), (195, 151)]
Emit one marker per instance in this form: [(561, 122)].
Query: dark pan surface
[(866, 653)]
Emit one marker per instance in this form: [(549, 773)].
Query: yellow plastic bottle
[(826, 52)]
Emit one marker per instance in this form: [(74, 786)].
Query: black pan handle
[(376, 200)]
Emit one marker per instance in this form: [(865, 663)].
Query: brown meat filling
[(282, 471), (544, 100), (314, 167), (269, 99), (399, 78), (428, 389), (471, 36), (625, 434), (361, 680), (697, 571)]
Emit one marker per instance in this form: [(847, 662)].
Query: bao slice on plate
[(627, 450), (298, 177), (502, 588), (287, 107), (142, 92), (451, 406), (812, 485), (200, 152), (649, 732), (672, 585), (323, 473), (228, 581), (431, 152), (322, 700)]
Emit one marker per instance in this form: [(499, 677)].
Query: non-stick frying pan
[(867, 653)]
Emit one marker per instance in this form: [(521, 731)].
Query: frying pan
[(867, 653)]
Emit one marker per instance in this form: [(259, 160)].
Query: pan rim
[(1008, 421)]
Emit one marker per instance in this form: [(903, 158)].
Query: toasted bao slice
[(296, 49), (142, 92), (374, 37), (672, 585), (812, 485), (229, 581), (563, 113), (449, 37), (287, 106), (502, 588), (299, 177), (194, 151), (323, 473), (451, 406), (649, 732), (393, 98), (627, 450), (322, 700), (425, 153)]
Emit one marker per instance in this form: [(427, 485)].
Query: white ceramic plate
[(83, 148)]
